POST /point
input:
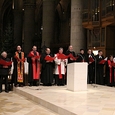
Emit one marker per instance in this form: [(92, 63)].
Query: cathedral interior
[(84, 24), (52, 23)]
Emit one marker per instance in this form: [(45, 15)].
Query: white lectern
[(77, 76)]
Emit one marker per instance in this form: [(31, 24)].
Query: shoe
[(6, 91), (16, 85), (20, 85)]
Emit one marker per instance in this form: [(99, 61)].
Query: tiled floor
[(14, 104), (94, 101)]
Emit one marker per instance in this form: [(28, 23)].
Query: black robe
[(70, 52), (46, 71), (91, 67), (110, 75), (99, 71)]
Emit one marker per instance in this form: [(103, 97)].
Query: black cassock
[(70, 52), (110, 74), (47, 70), (91, 65), (99, 70)]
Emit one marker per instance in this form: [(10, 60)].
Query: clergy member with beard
[(47, 61), (34, 67), (60, 70), (70, 51), (18, 74)]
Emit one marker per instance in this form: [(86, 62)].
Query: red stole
[(20, 71), (35, 68)]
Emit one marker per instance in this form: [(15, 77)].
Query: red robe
[(35, 65)]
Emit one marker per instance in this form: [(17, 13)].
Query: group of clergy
[(44, 68), (38, 68)]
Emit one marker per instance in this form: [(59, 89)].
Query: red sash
[(113, 64), (36, 69), (5, 63), (110, 68)]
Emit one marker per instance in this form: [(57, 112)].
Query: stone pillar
[(18, 22), (48, 22), (77, 39), (29, 25)]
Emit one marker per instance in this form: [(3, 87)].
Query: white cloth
[(12, 68), (26, 66), (100, 56), (106, 58), (114, 60), (90, 56), (63, 63)]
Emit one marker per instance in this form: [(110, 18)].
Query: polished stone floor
[(94, 101), (14, 104)]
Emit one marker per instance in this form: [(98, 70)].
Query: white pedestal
[(77, 76)]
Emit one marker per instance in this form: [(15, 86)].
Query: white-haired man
[(5, 65)]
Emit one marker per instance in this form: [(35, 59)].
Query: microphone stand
[(38, 85), (81, 56), (38, 61)]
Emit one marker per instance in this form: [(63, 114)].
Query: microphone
[(81, 56)]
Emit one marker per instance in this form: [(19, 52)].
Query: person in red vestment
[(110, 72), (60, 67), (34, 67)]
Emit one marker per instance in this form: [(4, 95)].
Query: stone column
[(18, 22), (77, 39), (48, 22), (29, 25)]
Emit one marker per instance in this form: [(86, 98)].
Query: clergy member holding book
[(47, 61), (34, 66), (60, 64), (100, 61), (70, 51), (110, 72), (90, 59)]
